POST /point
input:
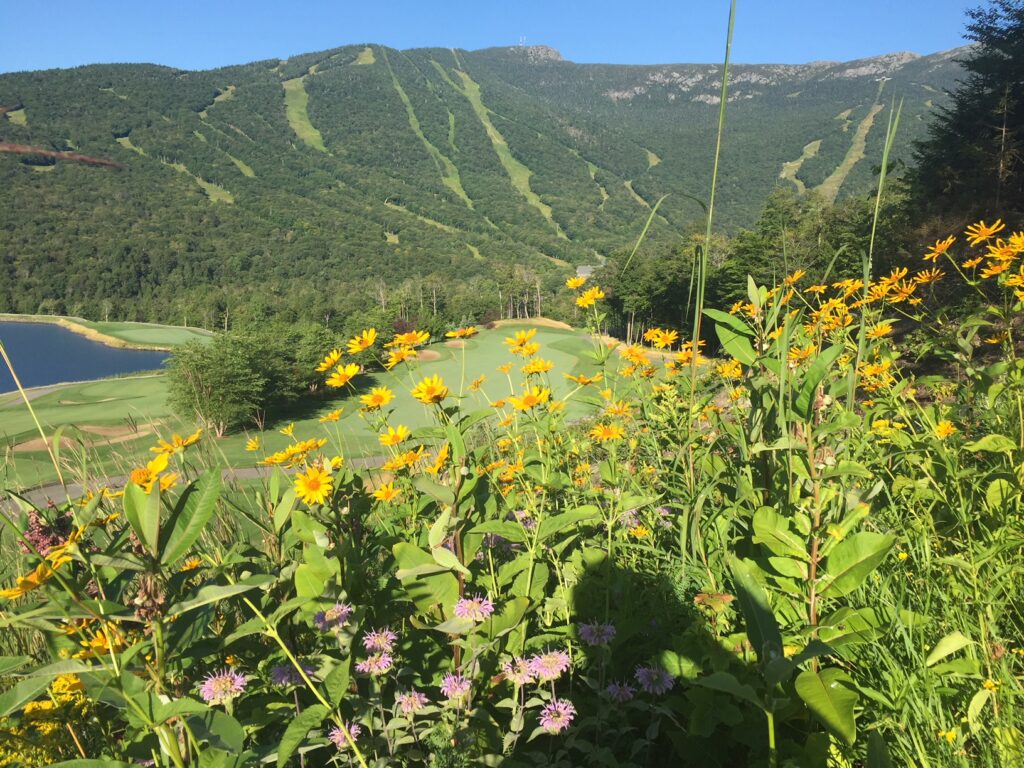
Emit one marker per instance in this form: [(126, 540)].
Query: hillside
[(138, 188)]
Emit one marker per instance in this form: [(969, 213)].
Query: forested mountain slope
[(333, 171)]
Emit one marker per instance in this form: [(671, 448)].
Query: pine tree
[(972, 163)]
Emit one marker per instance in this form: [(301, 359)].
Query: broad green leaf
[(991, 444), (504, 528), (456, 626), (507, 618), (434, 489), (97, 762), (446, 558), (736, 344), (878, 752), (10, 663), (978, 702), (218, 729), (212, 593), (762, 628), (830, 696), (439, 530), (552, 525), (13, 699), (284, 508), (298, 729), (310, 581), (142, 511), (998, 493), (732, 321), (774, 531), (726, 683), (425, 591), (337, 681), (191, 514), (852, 560), (813, 377), (947, 646)]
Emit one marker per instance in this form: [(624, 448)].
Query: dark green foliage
[(972, 162), (372, 224)]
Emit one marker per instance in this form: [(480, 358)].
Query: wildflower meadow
[(803, 552)]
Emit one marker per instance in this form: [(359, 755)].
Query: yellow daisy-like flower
[(430, 390), (177, 443), (730, 370), (980, 232), (585, 380), (537, 366), (940, 248), (329, 361), (462, 333), (478, 382), (440, 459), (792, 279), (252, 444), (387, 493), (661, 338), (289, 430), (314, 485), (926, 276), (504, 368), (394, 435), (396, 356), (589, 297), (575, 282), (362, 342), (146, 476), (880, 330), (342, 375), (191, 564), (378, 398), (798, 355), (816, 289), (944, 429), (410, 339), (640, 531), (971, 263), (332, 416), (603, 433), (530, 399)]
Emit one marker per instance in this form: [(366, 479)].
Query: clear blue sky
[(200, 34)]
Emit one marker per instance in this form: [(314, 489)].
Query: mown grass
[(153, 335), (143, 400), (296, 102), (792, 168)]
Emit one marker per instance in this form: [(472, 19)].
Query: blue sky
[(200, 34)]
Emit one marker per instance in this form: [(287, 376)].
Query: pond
[(44, 353)]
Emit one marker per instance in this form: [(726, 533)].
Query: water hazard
[(44, 353)]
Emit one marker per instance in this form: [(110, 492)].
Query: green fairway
[(134, 334), (296, 102), (121, 418)]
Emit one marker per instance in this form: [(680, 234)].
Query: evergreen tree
[(972, 163)]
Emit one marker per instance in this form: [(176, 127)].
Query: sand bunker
[(428, 355), (540, 322), (104, 435)]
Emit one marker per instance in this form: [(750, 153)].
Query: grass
[(17, 117), (215, 192), (448, 170), (652, 159), (365, 57), (246, 170), (145, 335), (125, 142), (296, 103), (829, 188), (628, 184), (140, 401), (424, 219), (792, 168), (517, 172)]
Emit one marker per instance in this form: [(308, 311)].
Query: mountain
[(135, 187)]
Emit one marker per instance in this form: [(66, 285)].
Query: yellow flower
[(146, 476), (177, 443), (602, 433), (640, 531), (585, 380), (730, 370), (329, 361), (944, 429), (332, 416), (949, 736), (792, 279), (289, 430), (980, 232), (926, 276), (537, 366), (314, 485), (430, 390), (396, 356), (410, 339), (990, 685), (394, 435), (378, 397), (575, 282), (25, 584), (362, 342), (504, 368), (797, 355), (995, 269), (530, 399), (971, 263), (817, 289), (342, 375), (462, 333), (387, 493), (252, 444), (880, 330), (191, 564), (439, 461), (477, 383), (619, 408), (661, 338), (902, 556), (940, 248), (589, 297)]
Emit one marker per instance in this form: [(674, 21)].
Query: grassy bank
[(125, 335)]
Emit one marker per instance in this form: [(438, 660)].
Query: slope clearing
[(296, 103)]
